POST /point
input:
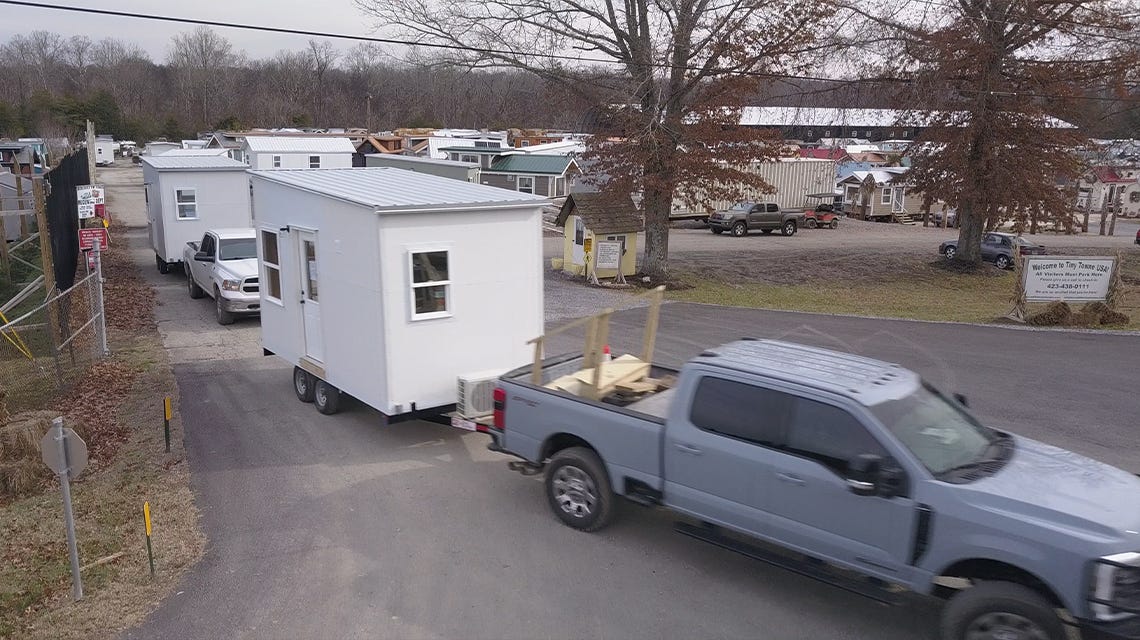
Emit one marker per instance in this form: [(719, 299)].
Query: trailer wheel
[(303, 383), (997, 610), (163, 266), (326, 397), (578, 489)]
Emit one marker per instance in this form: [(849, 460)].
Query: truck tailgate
[(628, 442)]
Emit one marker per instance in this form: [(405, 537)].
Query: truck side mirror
[(863, 473), (202, 256), (961, 399)]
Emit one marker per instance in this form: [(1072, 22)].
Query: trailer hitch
[(524, 467)]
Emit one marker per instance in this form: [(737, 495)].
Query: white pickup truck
[(224, 265)]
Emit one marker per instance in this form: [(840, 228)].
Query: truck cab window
[(829, 435), (740, 410)]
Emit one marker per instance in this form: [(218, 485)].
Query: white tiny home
[(159, 148), (186, 195), (105, 152), (388, 285), (296, 152)]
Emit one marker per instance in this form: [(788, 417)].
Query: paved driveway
[(339, 527)]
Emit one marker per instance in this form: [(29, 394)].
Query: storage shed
[(592, 225), (388, 285), (188, 195), (297, 152)]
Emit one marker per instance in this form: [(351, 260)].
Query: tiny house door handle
[(789, 478), (684, 448), (302, 301)]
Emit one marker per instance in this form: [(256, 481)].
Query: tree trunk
[(970, 228), (926, 202), (656, 205), (1112, 222)]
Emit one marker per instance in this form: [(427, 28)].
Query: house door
[(310, 295), (898, 203)]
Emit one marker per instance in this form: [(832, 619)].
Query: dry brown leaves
[(95, 403), (127, 298)]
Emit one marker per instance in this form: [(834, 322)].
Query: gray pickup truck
[(851, 471), (749, 216)]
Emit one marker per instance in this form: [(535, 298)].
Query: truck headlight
[(231, 285), (1114, 591)]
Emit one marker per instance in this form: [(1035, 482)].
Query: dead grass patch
[(871, 283), (119, 406)]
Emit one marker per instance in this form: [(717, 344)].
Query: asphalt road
[(339, 527)]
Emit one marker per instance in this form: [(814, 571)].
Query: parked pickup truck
[(224, 265), (847, 470), (747, 216)]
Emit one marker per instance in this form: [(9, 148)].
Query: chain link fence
[(48, 348)]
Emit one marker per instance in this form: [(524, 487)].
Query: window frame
[(448, 310), (888, 195), (315, 165), (265, 282), (178, 204), (780, 433), (518, 184), (275, 162), (468, 157), (792, 424)]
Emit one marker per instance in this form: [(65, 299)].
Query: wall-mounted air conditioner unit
[(474, 397)]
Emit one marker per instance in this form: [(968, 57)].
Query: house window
[(484, 144), (579, 231), (524, 143), (887, 191), (526, 184), (468, 157), (314, 162), (431, 284), (852, 194), (276, 162), (271, 263), (620, 239), (187, 201), (559, 186)]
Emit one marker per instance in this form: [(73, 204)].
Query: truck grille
[(249, 285)]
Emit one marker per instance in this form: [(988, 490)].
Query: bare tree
[(203, 62), (1002, 71), (672, 61)]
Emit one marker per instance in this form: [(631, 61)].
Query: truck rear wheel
[(191, 286), (1000, 610), (789, 228), (326, 397), (578, 489), (303, 383)]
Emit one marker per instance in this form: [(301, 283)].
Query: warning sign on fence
[(90, 199)]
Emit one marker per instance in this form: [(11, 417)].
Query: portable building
[(390, 285), (465, 171), (158, 148), (105, 152), (298, 152), (599, 235), (793, 180), (188, 195)]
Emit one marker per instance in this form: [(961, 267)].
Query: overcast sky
[(334, 16)]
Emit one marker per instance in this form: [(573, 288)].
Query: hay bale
[(1115, 317), (21, 466), (1054, 314)]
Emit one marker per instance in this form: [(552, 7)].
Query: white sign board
[(609, 255), (1073, 279), (90, 200)]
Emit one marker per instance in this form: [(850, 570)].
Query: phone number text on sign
[(1077, 279)]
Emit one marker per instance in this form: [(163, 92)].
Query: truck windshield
[(939, 433), (741, 206), (237, 249)]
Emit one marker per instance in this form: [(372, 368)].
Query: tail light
[(500, 407)]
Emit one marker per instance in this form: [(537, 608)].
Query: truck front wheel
[(1000, 610), (789, 228), (192, 287), (224, 317), (579, 489)]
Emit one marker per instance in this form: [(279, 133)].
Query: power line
[(432, 45), (468, 48)]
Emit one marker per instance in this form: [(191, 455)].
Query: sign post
[(149, 549), (65, 453)]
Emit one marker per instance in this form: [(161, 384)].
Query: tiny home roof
[(397, 190), (601, 214), (296, 144), (425, 160), (553, 165), (166, 162)]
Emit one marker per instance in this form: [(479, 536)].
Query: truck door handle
[(787, 477), (684, 448)]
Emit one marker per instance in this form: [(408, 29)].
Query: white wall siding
[(264, 160), (495, 301), (222, 199), (792, 179)]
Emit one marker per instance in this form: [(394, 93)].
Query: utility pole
[(368, 118), (91, 152)]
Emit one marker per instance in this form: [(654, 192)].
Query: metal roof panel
[(193, 163), (298, 144)]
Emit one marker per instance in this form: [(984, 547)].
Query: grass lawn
[(907, 286)]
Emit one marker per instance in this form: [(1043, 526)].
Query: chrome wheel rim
[(574, 491), (300, 383), (1001, 625), (789, 229), (950, 253), (319, 395), (1002, 262)]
